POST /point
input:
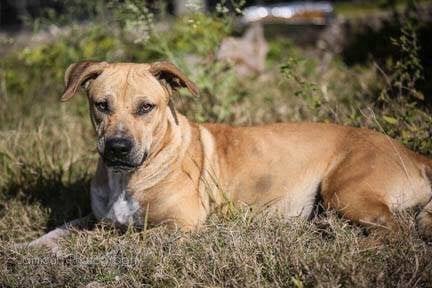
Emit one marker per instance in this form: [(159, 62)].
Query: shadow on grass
[(65, 197)]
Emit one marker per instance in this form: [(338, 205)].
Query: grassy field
[(47, 158)]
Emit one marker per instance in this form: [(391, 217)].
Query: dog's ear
[(169, 73), (78, 73)]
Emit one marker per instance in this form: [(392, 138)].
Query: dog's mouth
[(118, 165)]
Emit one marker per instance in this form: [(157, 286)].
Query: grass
[(239, 251), (47, 157)]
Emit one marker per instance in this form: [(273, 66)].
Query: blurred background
[(359, 63)]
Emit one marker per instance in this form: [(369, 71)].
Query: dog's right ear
[(78, 73), (172, 75)]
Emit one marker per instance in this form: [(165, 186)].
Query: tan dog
[(155, 162)]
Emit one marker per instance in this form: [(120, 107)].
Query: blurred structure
[(301, 21), (302, 12), (248, 53), (183, 6)]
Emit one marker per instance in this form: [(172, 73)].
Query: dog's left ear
[(169, 73), (78, 73)]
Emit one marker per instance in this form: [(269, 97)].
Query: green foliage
[(304, 88), (134, 15), (407, 69), (33, 77), (208, 29), (70, 12), (223, 6)]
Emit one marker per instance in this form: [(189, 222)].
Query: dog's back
[(364, 174)]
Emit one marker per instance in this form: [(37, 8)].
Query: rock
[(247, 53)]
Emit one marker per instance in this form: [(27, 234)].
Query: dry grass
[(239, 251)]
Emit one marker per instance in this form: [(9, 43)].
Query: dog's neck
[(171, 146)]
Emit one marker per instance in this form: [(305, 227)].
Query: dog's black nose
[(118, 147)]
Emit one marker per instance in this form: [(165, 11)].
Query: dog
[(155, 166)]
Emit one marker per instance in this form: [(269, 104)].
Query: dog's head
[(128, 105)]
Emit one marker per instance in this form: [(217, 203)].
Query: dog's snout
[(118, 147)]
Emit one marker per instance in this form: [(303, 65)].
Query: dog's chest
[(113, 202)]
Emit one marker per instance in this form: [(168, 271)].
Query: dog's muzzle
[(119, 154)]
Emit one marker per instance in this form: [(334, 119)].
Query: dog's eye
[(102, 106), (145, 108)]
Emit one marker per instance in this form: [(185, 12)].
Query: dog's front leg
[(50, 239)]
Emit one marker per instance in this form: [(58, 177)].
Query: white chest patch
[(112, 202)]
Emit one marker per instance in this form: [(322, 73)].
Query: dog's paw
[(50, 244), (424, 225), (48, 241)]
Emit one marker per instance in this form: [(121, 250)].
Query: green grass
[(47, 157)]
